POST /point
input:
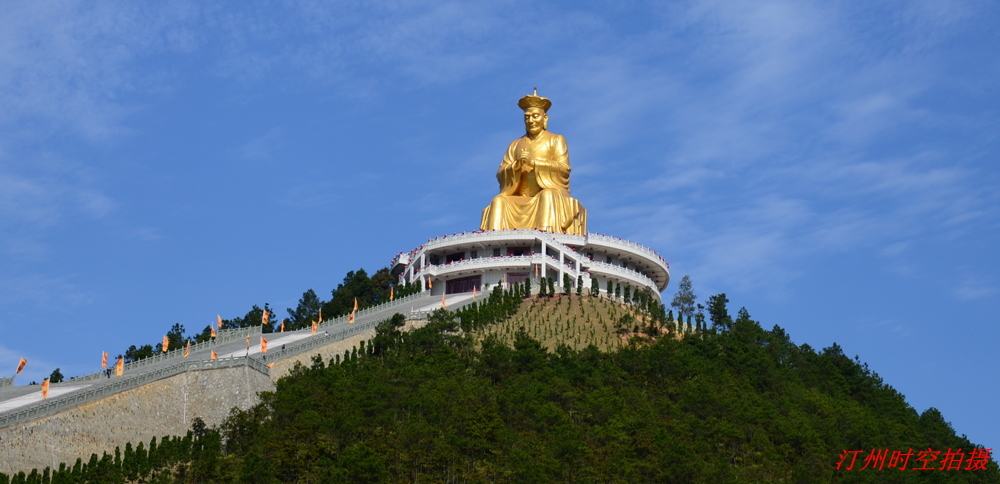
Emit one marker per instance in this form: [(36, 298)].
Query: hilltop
[(474, 397)]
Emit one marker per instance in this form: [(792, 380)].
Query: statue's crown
[(535, 101)]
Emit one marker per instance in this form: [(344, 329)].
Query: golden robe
[(535, 197)]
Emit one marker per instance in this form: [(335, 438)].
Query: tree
[(56, 376), (718, 313), (610, 288), (567, 284), (133, 353), (176, 336), (306, 311), (628, 293), (579, 285), (685, 299), (595, 286)]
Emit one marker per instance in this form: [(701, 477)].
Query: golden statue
[(534, 179)]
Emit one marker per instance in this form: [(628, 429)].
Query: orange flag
[(320, 315), (219, 319), (265, 318), (270, 365), (392, 291), (214, 334), (120, 366), (430, 283), (263, 345), (444, 305), (248, 342), (314, 327), (282, 326), (166, 343), (104, 360), (187, 349), (20, 366), (214, 355), (350, 320), (355, 304), (45, 389), (473, 293)]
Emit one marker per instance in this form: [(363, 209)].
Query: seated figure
[(534, 179)]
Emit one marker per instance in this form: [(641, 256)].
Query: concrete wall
[(282, 367), (163, 407)]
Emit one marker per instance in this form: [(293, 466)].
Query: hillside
[(574, 321), (454, 402)]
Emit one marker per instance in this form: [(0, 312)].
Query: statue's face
[(535, 120)]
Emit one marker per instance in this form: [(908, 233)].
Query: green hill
[(472, 397)]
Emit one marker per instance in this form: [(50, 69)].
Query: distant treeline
[(730, 403)]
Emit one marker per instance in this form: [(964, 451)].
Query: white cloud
[(973, 287)]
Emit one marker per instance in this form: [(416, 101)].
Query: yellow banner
[(45, 389)]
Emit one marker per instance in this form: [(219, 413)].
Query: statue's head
[(535, 108), (535, 121)]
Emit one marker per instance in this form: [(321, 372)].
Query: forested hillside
[(730, 403)]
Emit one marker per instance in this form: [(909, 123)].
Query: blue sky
[(831, 166)]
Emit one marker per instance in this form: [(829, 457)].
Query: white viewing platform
[(460, 262)]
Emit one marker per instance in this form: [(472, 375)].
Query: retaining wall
[(163, 407)]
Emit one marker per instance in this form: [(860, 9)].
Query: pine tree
[(685, 299)]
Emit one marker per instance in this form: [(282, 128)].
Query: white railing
[(552, 238), (499, 261), (121, 384), (609, 240), (374, 309), (223, 336), (622, 272), (6, 382), (549, 236)]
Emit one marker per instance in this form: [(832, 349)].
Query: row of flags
[(165, 345)]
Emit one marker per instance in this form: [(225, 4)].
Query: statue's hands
[(528, 165)]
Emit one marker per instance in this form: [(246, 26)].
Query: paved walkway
[(14, 397)]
